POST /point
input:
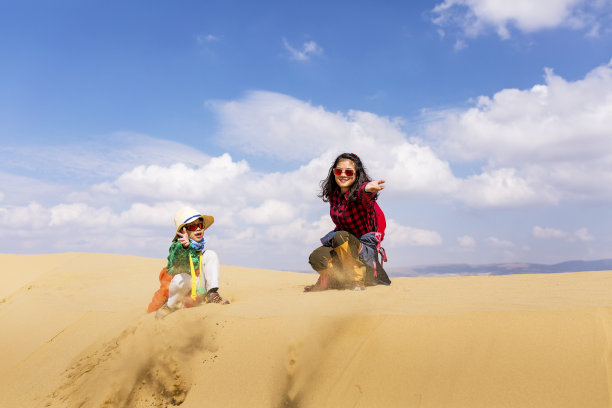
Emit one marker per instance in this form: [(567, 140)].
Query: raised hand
[(375, 186), (184, 238)]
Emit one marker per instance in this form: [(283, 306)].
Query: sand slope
[(75, 334)]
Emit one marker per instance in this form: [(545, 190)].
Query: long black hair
[(330, 188)]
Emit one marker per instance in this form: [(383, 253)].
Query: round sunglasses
[(348, 172)]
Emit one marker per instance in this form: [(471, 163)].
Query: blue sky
[(489, 120)]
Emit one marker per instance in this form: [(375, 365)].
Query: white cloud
[(285, 128), (180, 181), (270, 212), (140, 228), (413, 168), (16, 216), (533, 140), (541, 146), (76, 215), (543, 122), (501, 188), (399, 235), (474, 17), (79, 214), (301, 232), (460, 45), (546, 233), (499, 243), (278, 125), (583, 235), (550, 142), (206, 38), (309, 48), (466, 241)]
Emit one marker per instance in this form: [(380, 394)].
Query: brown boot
[(214, 297)]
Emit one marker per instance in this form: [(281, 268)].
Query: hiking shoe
[(214, 297), (163, 311)]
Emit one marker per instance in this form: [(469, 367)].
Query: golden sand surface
[(75, 333)]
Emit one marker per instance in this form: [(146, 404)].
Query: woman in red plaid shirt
[(348, 257)]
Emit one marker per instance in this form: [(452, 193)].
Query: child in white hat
[(192, 273)]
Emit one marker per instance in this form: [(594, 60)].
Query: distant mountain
[(501, 268)]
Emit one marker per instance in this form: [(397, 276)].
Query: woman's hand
[(375, 186), (184, 238)]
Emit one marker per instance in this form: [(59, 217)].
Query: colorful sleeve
[(176, 258)]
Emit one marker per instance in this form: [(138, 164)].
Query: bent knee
[(319, 259), (318, 263), (343, 237), (340, 238)]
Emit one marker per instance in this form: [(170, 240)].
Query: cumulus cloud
[(466, 241), (269, 212), (549, 143), (399, 235), (284, 128), (474, 17), (301, 232), (309, 48), (14, 216), (541, 123), (583, 235), (179, 181), (76, 215), (83, 227), (499, 243), (546, 233), (277, 125), (501, 188), (539, 146), (414, 168), (542, 145)]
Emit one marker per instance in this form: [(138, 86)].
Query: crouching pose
[(192, 273), (348, 257)]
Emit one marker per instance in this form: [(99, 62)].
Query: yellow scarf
[(194, 279)]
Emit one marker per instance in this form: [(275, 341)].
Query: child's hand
[(184, 238)]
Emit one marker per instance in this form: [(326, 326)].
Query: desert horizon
[(78, 334)]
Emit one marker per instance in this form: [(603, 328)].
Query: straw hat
[(187, 215)]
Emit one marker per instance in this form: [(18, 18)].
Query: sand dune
[(75, 334)]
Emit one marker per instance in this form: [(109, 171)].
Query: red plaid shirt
[(357, 218)]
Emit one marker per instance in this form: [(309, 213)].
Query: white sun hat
[(187, 215)]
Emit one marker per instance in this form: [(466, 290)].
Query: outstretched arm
[(375, 186)]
